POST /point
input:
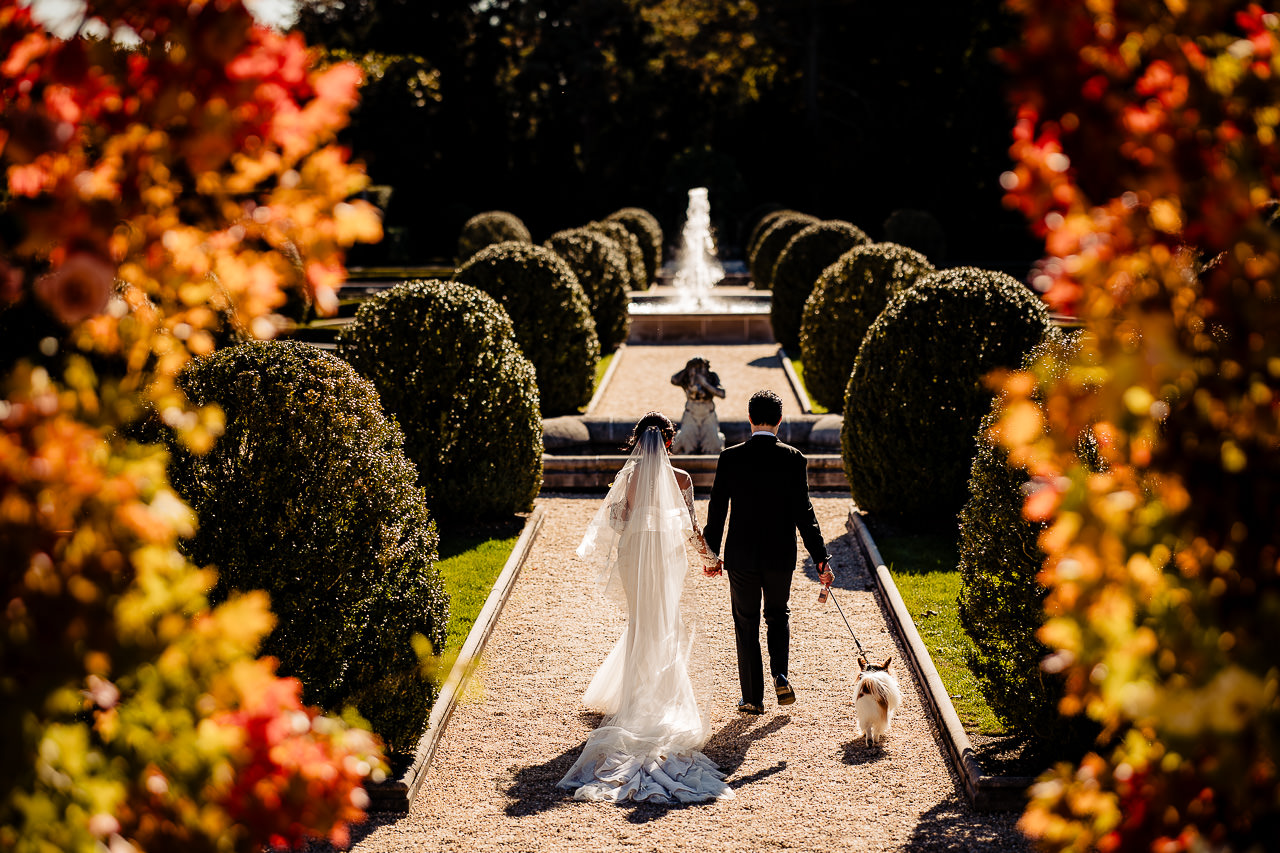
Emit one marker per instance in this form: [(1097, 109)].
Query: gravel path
[(801, 779), (642, 379)]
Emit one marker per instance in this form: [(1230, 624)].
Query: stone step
[(595, 472), (585, 452)]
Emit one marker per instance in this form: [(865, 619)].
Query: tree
[(561, 111), (1145, 151), (157, 198)]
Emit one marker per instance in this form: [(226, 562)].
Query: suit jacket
[(767, 482)]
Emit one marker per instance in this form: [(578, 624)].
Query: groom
[(767, 484)]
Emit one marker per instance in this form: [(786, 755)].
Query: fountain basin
[(726, 315), (751, 302)]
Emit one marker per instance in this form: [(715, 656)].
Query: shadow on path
[(850, 569), (533, 788), (856, 752), (953, 825), (358, 832), (766, 361), (728, 747)]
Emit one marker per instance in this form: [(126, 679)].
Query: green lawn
[(814, 405), (470, 561), (924, 570), (602, 367)]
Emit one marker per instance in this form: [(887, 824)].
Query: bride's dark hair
[(652, 419)]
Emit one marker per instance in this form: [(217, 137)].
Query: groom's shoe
[(786, 695), (750, 708)]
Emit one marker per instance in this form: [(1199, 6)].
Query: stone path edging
[(604, 380), (397, 795), (806, 405), (985, 793)]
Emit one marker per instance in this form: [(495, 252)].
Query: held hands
[(714, 571)]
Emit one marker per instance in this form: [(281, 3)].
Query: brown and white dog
[(877, 698)]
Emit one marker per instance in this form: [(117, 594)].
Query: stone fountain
[(698, 267), (686, 309)]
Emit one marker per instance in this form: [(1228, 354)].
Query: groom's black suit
[(767, 484)]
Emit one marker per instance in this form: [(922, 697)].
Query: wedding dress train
[(647, 748)]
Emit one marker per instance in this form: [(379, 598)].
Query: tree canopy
[(562, 110)]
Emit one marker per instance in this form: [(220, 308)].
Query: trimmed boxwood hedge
[(916, 395), (488, 228), (806, 255), (551, 316), (762, 225), (309, 496), (630, 248), (845, 301), (446, 363), (771, 243), (1001, 602), (601, 269), (648, 232)]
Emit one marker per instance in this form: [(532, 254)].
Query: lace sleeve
[(705, 554), (619, 506), (619, 515)]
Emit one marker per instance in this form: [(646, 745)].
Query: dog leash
[(831, 593)]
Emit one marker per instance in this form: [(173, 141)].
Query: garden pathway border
[(806, 405), (604, 380), (985, 792), (398, 794)]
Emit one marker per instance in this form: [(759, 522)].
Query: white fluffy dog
[(877, 699)]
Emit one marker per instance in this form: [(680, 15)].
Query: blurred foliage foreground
[(166, 182), (1146, 155)]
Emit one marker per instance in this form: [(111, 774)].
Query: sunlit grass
[(469, 564), (602, 368), (924, 570), (814, 406)]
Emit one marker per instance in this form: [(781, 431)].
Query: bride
[(647, 747)]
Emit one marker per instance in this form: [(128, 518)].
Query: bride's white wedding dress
[(647, 747)]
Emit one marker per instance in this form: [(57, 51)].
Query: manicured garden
[(233, 559)]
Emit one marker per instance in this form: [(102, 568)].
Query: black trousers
[(747, 591)]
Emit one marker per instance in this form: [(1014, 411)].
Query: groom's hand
[(713, 571), (825, 576)]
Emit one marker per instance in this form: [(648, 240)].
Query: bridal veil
[(647, 746)]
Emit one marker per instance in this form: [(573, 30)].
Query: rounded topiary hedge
[(771, 243), (1001, 602), (446, 363), (762, 225), (309, 496), (648, 232), (551, 316), (488, 228), (916, 395), (630, 248), (806, 255), (845, 301), (601, 269)]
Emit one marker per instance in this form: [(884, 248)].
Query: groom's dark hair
[(765, 408)]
